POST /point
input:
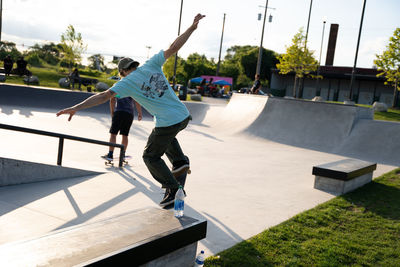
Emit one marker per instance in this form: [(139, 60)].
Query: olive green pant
[(163, 140)]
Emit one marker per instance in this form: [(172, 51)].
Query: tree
[(197, 65), (297, 59), (49, 53), (168, 69), (249, 63), (389, 64), (73, 46), (9, 48)]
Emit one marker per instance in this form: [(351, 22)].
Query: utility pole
[(355, 59), (176, 55), (308, 25), (261, 43), (1, 17), (220, 46)]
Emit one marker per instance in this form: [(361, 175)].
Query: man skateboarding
[(148, 86)]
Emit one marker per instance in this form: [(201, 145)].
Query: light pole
[(355, 59), (148, 50), (176, 54), (220, 46), (261, 43), (305, 48), (1, 17), (320, 54)]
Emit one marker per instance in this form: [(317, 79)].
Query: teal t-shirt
[(148, 86)]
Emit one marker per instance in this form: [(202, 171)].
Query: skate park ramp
[(335, 128), (14, 172)]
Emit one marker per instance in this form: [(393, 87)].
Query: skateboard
[(108, 162)]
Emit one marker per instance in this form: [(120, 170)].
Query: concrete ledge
[(343, 176), (14, 172), (147, 237)]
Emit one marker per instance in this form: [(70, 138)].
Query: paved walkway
[(241, 184)]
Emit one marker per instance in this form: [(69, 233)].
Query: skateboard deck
[(108, 162)]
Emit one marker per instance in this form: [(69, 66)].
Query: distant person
[(210, 87), (148, 86), (255, 89), (203, 85), (21, 67), (74, 77), (8, 65), (122, 113)]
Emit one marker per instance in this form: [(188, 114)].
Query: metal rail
[(61, 140)]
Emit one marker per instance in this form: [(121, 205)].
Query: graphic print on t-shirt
[(156, 87)]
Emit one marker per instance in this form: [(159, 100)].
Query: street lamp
[(176, 54), (220, 46), (148, 51), (305, 48), (320, 53), (355, 59)]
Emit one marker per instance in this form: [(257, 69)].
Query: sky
[(141, 28)]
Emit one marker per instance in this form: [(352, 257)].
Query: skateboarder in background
[(256, 86), (122, 113), (148, 86)]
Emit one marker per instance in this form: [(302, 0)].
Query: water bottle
[(179, 203), (199, 259)]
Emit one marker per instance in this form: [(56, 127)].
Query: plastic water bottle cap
[(202, 252)]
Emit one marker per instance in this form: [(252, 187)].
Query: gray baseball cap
[(126, 63)]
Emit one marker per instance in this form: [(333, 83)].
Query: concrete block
[(343, 176), (32, 80), (100, 86), (14, 172), (339, 187), (195, 97), (64, 83), (148, 237), (379, 107), (318, 99)]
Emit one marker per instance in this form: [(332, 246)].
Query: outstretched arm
[(181, 40), (92, 101), (139, 110)]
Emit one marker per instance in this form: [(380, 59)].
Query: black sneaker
[(169, 197), (107, 157), (178, 171)]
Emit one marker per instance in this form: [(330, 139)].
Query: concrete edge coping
[(137, 237)]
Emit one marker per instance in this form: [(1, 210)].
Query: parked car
[(244, 90)]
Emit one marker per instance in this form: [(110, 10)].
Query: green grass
[(390, 115), (361, 228), (49, 76)]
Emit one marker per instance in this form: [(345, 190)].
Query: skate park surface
[(251, 162)]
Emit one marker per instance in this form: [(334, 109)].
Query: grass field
[(48, 77), (361, 228)]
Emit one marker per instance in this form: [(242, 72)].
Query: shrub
[(33, 59)]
